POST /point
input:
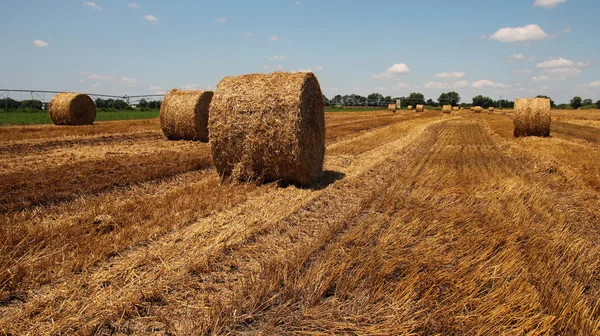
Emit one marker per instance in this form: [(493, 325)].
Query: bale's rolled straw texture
[(268, 127), (184, 115), (72, 109), (477, 109), (420, 108), (392, 107), (447, 109), (532, 117), (410, 107)]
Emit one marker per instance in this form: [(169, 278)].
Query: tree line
[(447, 98), (101, 104)]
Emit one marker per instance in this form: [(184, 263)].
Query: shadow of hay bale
[(329, 177)]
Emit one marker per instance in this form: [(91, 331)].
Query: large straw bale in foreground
[(409, 107), (532, 117), (420, 108), (268, 127), (184, 114), (392, 107), (447, 109), (72, 109)]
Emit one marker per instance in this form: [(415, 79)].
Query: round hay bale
[(532, 117), (477, 109), (409, 107), (420, 108), (184, 114), (447, 109), (268, 127), (491, 109), (69, 108), (455, 108), (392, 107)]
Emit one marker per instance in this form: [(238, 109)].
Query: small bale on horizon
[(455, 108), (70, 108), (420, 108), (409, 107), (491, 109), (184, 114), (392, 107), (447, 109), (532, 117), (477, 109), (268, 127)]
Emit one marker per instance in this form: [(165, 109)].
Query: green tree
[(142, 103), (598, 104), (9, 103), (483, 101), (119, 104), (587, 102), (453, 98), (576, 102), (444, 99), (375, 99), (100, 103), (325, 101), (31, 104), (415, 98)]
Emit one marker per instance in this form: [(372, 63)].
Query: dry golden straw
[(184, 115), (455, 108), (409, 107), (532, 117), (268, 127), (420, 108), (392, 107), (477, 109), (447, 109), (72, 109)]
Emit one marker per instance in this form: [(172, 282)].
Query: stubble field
[(422, 224)]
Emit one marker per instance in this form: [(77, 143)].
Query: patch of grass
[(42, 117)]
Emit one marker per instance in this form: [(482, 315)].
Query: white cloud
[(298, 2), (541, 78), (273, 38), (150, 18), (522, 71), (160, 92), (557, 74), (318, 68), (276, 58), (84, 73), (531, 32), (595, 84), (462, 84), (303, 70), (486, 83), (128, 80), (190, 86), (548, 3), (155, 88), (437, 85), (583, 64), (556, 63), (92, 4), (516, 57), (95, 85), (102, 77), (134, 5), (483, 37), (401, 85), (566, 30), (396, 69), (248, 34), (40, 43), (453, 75), (81, 80), (220, 20)]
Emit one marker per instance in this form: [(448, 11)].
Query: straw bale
[(532, 117), (447, 109), (268, 127), (491, 109), (455, 108), (410, 107), (184, 115), (392, 107), (477, 109), (72, 109), (420, 108)]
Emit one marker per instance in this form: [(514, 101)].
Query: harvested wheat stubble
[(420, 108), (410, 107), (72, 109), (477, 109), (268, 127), (392, 107), (184, 115), (447, 109), (532, 117)]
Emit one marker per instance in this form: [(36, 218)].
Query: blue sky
[(513, 48)]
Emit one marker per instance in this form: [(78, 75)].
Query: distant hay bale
[(532, 117), (420, 108), (491, 109), (447, 109), (455, 108), (184, 115), (410, 107), (72, 109), (477, 109), (392, 107), (268, 127)]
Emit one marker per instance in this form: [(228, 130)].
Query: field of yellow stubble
[(423, 223)]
